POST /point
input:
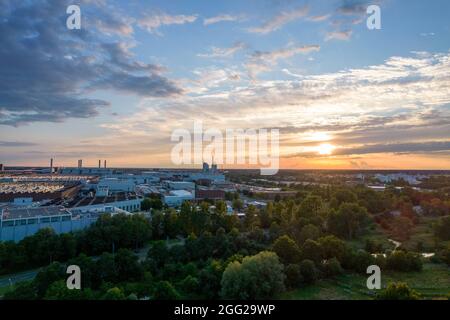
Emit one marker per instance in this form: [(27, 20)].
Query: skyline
[(341, 95)]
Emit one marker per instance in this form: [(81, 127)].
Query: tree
[(127, 266), (398, 291), (238, 204), (114, 294), (311, 206), (343, 196), (165, 291), (257, 277), (58, 291), (293, 276), (25, 290), (287, 250), (333, 267), (47, 276), (311, 250), (401, 261), (309, 231), (442, 229), (332, 247), (308, 271), (350, 220)]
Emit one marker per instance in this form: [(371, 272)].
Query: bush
[(257, 277), (398, 291), (401, 261), (333, 268), (293, 276), (308, 271)]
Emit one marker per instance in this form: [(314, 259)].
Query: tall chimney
[(51, 165), (99, 164), (105, 164)]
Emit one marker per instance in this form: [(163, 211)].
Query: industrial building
[(37, 191), (16, 224), (176, 197)]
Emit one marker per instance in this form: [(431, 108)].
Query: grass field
[(432, 283)]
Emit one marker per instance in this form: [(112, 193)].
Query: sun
[(325, 149)]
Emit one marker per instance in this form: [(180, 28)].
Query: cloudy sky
[(342, 96)]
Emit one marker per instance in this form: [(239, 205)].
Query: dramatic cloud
[(344, 106), (47, 71), (280, 20), (153, 22)]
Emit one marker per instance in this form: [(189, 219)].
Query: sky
[(341, 95)]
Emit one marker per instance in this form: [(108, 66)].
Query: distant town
[(71, 198)]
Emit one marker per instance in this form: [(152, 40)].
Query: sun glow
[(325, 149)]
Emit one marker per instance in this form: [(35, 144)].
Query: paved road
[(18, 277)]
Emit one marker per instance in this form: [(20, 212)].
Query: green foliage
[(311, 250), (25, 290), (401, 261), (349, 221), (308, 271), (164, 290), (332, 268), (287, 250), (293, 276), (58, 291), (257, 277), (114, 294), (442, 229), (398, 291)]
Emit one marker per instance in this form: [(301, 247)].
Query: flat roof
[(23, 213)]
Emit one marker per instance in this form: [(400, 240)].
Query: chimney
[(105, 164), (99, 164), (1, 166), (51, 165), (80, 164)]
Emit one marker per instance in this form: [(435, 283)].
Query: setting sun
[(325, 149)]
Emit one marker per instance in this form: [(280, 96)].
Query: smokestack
[(51, 165), (105, 164), (99, 164)]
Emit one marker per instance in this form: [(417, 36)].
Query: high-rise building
[(105, 164), (80, 164), (1, 166)]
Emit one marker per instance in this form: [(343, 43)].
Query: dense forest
[(201, 252)]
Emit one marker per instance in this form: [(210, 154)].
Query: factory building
[(16, 224), (176, 197)]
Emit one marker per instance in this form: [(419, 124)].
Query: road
[(7, 280)]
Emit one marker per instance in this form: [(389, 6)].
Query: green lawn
[(432, 282)]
